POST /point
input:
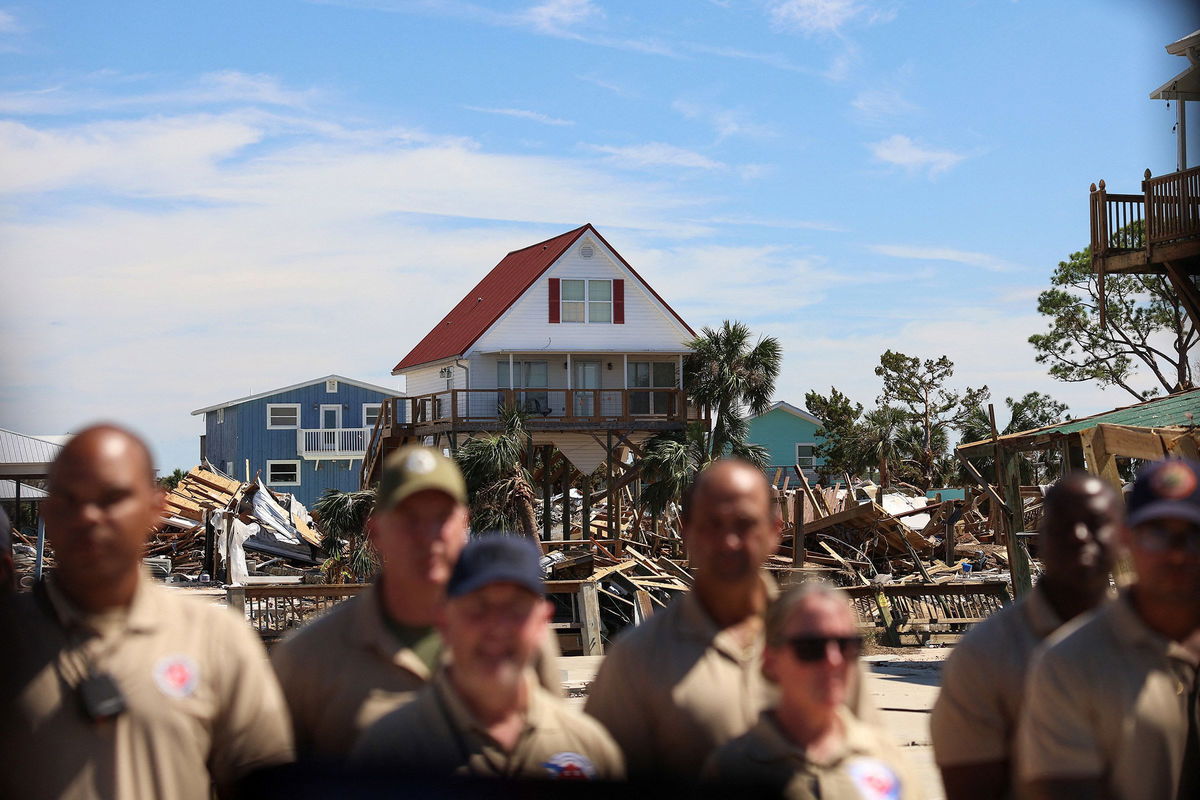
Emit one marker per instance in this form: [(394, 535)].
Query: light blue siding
[(780, 431), (243, 435)]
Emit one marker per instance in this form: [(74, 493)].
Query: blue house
[(301, 439), (790, 436)]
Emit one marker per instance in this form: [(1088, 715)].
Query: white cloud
[(727, 122), (558, 16), (814, 16), (966, 257), (901, 151), (611, 86), (877, 104), (9, 23), (216, 89), (521, 113), (656, 154)]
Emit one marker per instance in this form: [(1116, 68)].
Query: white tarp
[(273, 516), (896, 503), (232, 534)]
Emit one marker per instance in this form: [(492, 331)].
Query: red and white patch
[(570, 767), (874, 779), (1173, 481), (176, 675)]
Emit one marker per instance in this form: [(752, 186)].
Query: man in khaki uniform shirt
[(369, 654), (974, 721), (810, 746), (1111, 708), (689, 679), (112, 686), (484, 715)]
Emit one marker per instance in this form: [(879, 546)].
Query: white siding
[(427, 380), (525, 325)]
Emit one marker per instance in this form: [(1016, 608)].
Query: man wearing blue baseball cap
[(1112, 708), (484, 714)]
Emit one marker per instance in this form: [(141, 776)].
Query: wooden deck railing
[(1168, 210), (466, 406)]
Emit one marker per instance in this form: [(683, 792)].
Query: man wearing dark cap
[(484, 715), (974, 722), (112, 686), (368, 655), (1111, 702)]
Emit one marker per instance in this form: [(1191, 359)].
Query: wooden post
[(589, 619), (585, 524), (798, 544), (614, 524), (1018, 556), (566, 501), (235, 598), (547, 490), (209, 545)]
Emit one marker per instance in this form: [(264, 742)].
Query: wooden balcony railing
[(332, 442), (465, 406), (1167, 211)]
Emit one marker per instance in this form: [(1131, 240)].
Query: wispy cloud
[(656, 154), (100, 93), (927, 253), (611, 86), (827, 16), (726, 122), (9, 23), (520, 113), (901, 151), (560, 16), (879, 104)]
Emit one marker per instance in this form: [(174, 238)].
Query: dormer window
[(587, 301)]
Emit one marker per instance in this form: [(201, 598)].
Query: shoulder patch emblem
[(1173, 481), (874, 779), (176, 675), (570, 766)]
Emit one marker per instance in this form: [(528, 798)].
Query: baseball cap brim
[(495, 575), (414, 485), (1166, 509)]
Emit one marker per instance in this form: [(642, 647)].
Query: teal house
[(789, 434)]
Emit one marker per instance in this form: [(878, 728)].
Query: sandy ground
[(903, 683)]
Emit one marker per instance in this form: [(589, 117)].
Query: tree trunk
[(528, 519)]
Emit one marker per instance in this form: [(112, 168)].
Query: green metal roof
[(1182, 408)]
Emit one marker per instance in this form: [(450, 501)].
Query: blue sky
[(204, 200)]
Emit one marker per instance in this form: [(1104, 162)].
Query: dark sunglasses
[(813, 648)]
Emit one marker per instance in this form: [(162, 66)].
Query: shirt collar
[(140, 616), (696, 622), (461, 716), (1132, 629), (772, 744), (1040, 614), (372, 632)]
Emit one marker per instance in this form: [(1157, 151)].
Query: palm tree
[(1034, 410), (728, 374), (341, 517), (499, 487), (879, 438)]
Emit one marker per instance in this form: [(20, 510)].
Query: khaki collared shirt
[(346, 669), (1107, 699), (201, 703), (676, 687), (865, 766), (437, 734), (983, 683)]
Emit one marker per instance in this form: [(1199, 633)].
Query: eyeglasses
[(1159, 540), (814, 648)]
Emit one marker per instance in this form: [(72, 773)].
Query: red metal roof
[(493, 295)]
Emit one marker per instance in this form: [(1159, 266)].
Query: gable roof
[(780, 405), (338, 378), (496, 293)]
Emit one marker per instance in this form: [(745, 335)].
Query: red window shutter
[(554, 306), (618, 302)]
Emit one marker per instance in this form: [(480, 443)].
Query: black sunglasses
[(813, 648)]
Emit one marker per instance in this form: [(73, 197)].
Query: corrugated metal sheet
[(18, 450), (8, 491)]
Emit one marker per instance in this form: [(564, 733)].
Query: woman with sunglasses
[(810, 746)]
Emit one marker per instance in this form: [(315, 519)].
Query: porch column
[(568, 372), (679, 372), (512, 381), (625, 371)]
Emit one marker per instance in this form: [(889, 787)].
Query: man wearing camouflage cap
[(368, 655), (1111, 706)]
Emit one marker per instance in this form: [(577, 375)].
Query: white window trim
[(271, 427), (587, 293), (378, 410), (283, 483), (813, 456), (331, 407)]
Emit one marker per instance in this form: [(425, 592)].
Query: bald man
[(115, 687), (974, 722), (690, 679)]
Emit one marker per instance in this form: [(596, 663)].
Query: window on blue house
[(805, 455), (283, 473), (283, 415)]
